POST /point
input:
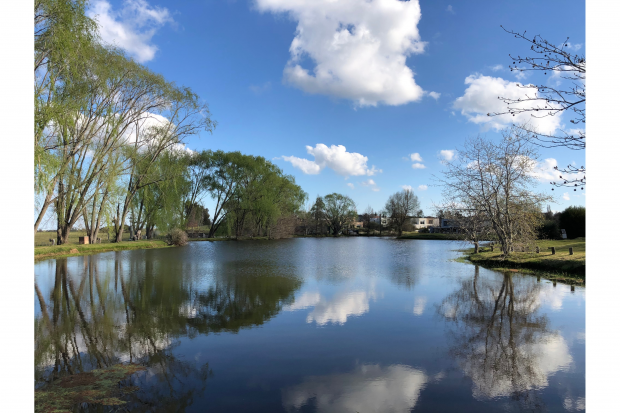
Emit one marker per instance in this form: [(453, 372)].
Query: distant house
[(424, 222), (447, 225)]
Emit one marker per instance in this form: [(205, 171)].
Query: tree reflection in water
[(500, 341), (89, 320)]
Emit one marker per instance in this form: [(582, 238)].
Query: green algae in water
[(94, 387)]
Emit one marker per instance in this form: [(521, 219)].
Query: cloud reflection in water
[(368, 388)]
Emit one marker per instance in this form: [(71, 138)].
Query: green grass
[(558, 266), (42, 238), (419, 235), (70, 250)]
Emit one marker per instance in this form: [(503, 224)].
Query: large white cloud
[(339, 308), (369, 388), (132, 27), (334, 157), (335, 309), (359, 48), (481, 98)]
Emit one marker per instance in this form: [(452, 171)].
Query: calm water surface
[(314, 325)]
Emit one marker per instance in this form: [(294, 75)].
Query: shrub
[(549, 230), (424, 231), (573, 220), (177, 237)]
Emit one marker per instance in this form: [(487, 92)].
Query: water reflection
[(500, 340), (347, 301), (368, 388), (384, 306), (93, 317)]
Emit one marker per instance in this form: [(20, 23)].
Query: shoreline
[(72, 250), (570, 269)]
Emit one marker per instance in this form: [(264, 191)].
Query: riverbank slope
[(71, 250)]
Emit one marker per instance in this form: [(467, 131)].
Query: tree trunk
[(476, 247), (48, 201)]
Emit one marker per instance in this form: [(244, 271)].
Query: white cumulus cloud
[(358, 48), (481, 98), (447, 154), (423, 187), (407, 187), (334, 157), (350, 185), (415, 157), (418, 165), (132, 27), (434, 95), (566, 197)]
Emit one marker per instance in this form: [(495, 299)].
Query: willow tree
[(161, 205), (121, 94), (339, 212), (64, 38)]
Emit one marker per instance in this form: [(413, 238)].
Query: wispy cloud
[(258, 89), (371, 184), (449, 9), (132, 27)]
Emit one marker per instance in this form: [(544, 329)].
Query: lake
[(313, 325)]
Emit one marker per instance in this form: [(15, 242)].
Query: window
[(430, 222), (421, 222)]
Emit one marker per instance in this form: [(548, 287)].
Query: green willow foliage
[(250, 192), (106, 129)]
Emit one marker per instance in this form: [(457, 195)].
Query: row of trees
[(335, 212), (109, 144)]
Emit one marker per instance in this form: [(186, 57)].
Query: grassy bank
[(42, 239), (418, 235), (561, 266), (71, 250)]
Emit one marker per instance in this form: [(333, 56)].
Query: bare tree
[(400, 207), (545, 100), (494, 179), (472, 223)]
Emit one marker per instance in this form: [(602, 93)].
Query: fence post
[(552, 250), (537, 250), (570, 250), (492, 247)]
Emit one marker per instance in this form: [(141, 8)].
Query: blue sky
[(382, 96)]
